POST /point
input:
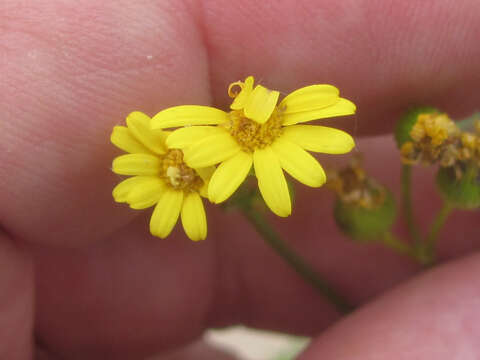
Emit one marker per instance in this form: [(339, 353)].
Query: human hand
[(103, 288)]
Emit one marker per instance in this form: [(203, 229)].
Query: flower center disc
[(251, 135), (177, 174)]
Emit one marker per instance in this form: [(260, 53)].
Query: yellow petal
[(139, 124), (185, 115), (122, 190), (319, 138), (122, 138), (340, 108), (309, 98), (211, 150), (166, 213), (146, 195), (183, 137), (242, 97), (271, 181), (205, 173), (229, 176), (136, 164), (203, 191), (298, 163), (194, 220), (260, 104)]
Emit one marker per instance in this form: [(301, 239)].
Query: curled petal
[(242, 97), (319, 138), (271, 181)]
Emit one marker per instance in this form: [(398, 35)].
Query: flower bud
[(460, 187), (365, 223)]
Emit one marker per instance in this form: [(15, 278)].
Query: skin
[(80, 276)]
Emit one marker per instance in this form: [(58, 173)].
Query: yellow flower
[(159, 177), (260, 131), (434, 128)]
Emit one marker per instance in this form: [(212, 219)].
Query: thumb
[(434, 316)]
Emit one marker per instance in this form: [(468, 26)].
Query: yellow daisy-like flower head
[(159, 176), (261, 131)]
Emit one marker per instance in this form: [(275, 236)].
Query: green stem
[(414, 252), (438, 222), (407, 203), (396, 244), (293, 259)]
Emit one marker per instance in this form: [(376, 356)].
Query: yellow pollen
[(436, 128), (469, 140), (251, 135), (173, 173), (353, 186), (177, 174)]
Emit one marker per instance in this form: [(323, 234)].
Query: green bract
[(365, 224), (463, 193)]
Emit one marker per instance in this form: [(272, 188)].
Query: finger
[(16, 302), (66, 84), (134, 295), (63, 222), (173, 289), (81, 77), (386, 56), (434, 316)]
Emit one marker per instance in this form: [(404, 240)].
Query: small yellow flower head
[(432, 139), (364, 209), (260, 131), (159, 176), (352, 186), (433, 128)]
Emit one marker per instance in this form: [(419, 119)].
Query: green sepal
[(364, 224), (406, 122)]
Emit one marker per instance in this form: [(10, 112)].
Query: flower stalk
[(438, 222), (281, 247), (407, 207)]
